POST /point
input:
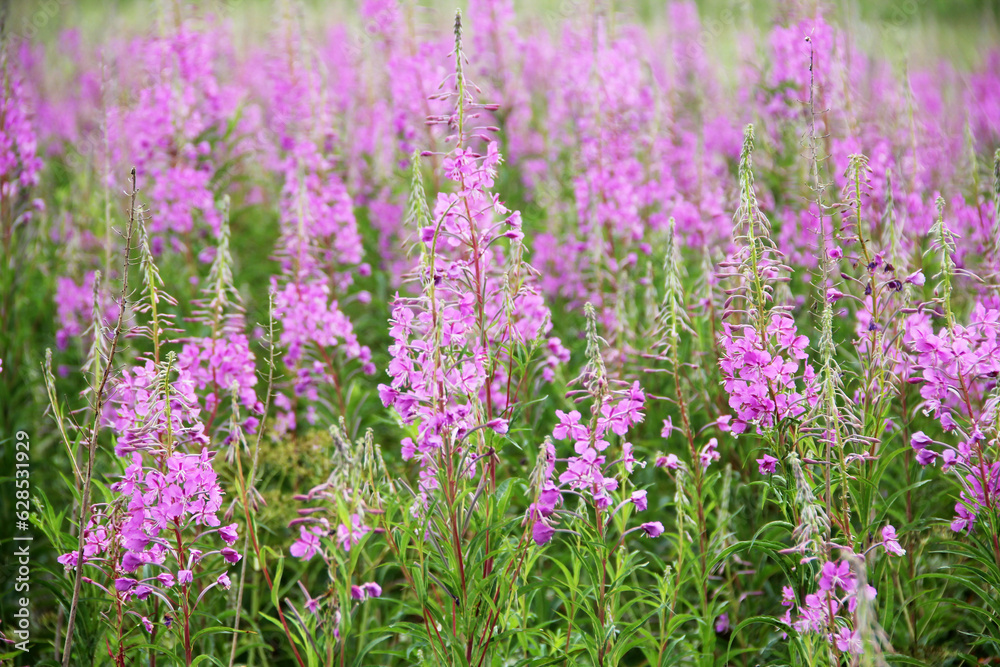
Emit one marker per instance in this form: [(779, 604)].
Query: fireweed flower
[(760, 361), (542, 532), (19, 161), (169, 508), (449, 356), (956, 368), (639, 500), (890, 543), (760, 373), (162, 513), (163, 130), (617, 408), (835, 604), (221, 362), (669, 461), (621, 410), (308, 543), (722, 623), (652, 529), (319, 247), (709, 453), (836, 575), (767, 465)]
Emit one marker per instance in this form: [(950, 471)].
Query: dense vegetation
[(566, 336)]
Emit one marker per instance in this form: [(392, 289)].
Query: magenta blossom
[(542, 532), (639, 500), (767, 465), (652, 528), (890, 543), (836, 575)]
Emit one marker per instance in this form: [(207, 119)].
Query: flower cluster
[(760, 372), (585, 471), (591, 473), (320, 246), (219, 365), (163, 528), (957, 369), (20, 164), (451, 357), (823, 612), (172, 126)]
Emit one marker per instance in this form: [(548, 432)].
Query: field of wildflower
[(564, 333)]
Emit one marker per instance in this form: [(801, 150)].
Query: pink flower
[(228, 533), (498, 425), (836, 574), (350, 535), (767, 465), (722, 623), (230, 555), (669, 461), (964, 519), (542, 532), (124, 585), (308, 543), (710, 453), (890, 543), (652, 528), (849, 642), (547, 501), (639, 500), (919, 440)]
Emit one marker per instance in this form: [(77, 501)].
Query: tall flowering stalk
[(598, 476), (157, 538), (761, 369), (178, 125), (19, 161), (97, 407), (452, 365), (691, 471), (956, 368), (831, 414), (763, 351), (460, 362), (221, 361), (320, 246), (335, 527)]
